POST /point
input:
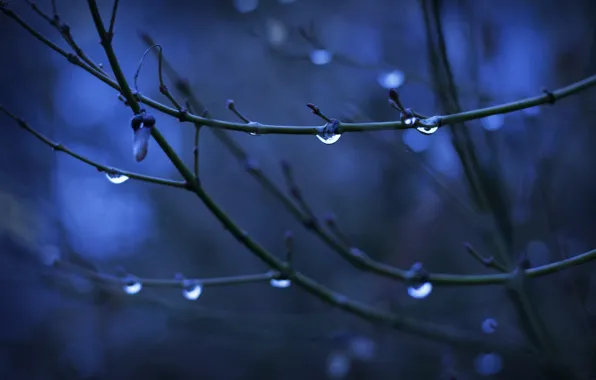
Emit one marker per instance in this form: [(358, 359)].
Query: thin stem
[(113, 18), (102, 168), (544, 98), (162, 86), (489, 262), (64, 30), (171, 282)]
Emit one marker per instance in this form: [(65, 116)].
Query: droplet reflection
[(133, 286), (192, 292), (280, 283), (420, 291), (116, 178)]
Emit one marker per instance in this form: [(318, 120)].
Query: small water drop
[(427, 130), (338, 365), (133, 286), (280, 283), (393, 79), (493, 122), (488, 364), (420, 291), (254, 124), (489, 325), (329, 138), (116, 178), (320, 57), (192, 291)]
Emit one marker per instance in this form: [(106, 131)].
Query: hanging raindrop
[(192, 290), (116, 178), (419, 284), (329, 134), (427, 130), (420, 291), (132, 285), (280, 283)]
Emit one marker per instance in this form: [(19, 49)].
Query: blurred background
[(401, 197)]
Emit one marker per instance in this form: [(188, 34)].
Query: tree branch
[(439, 121), (102, 168)]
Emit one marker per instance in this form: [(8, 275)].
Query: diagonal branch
[(102, 168)]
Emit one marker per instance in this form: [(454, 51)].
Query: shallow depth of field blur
[(396, 195)]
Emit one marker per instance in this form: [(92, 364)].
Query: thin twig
[(64, 30), (113, 19), (169, 282), (488, 262), (102, 168), (162, 86)]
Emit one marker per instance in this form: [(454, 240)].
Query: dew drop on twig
[(420, 291), (116, 178), (427, 130), (192, 291), (133, 286), (280, 283), (328, 138)]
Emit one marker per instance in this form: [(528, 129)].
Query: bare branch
[(102, 168)]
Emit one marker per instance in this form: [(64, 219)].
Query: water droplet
[(329, 138), (116, 178), (427, 130), (320, 57), (254, 124), (488, 364), (192, 291), (328, 135), (489, 325), (493, 122), (420, 291), (280, 283), (393, 79), (246, 6), (338, 365), (133, 286)]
